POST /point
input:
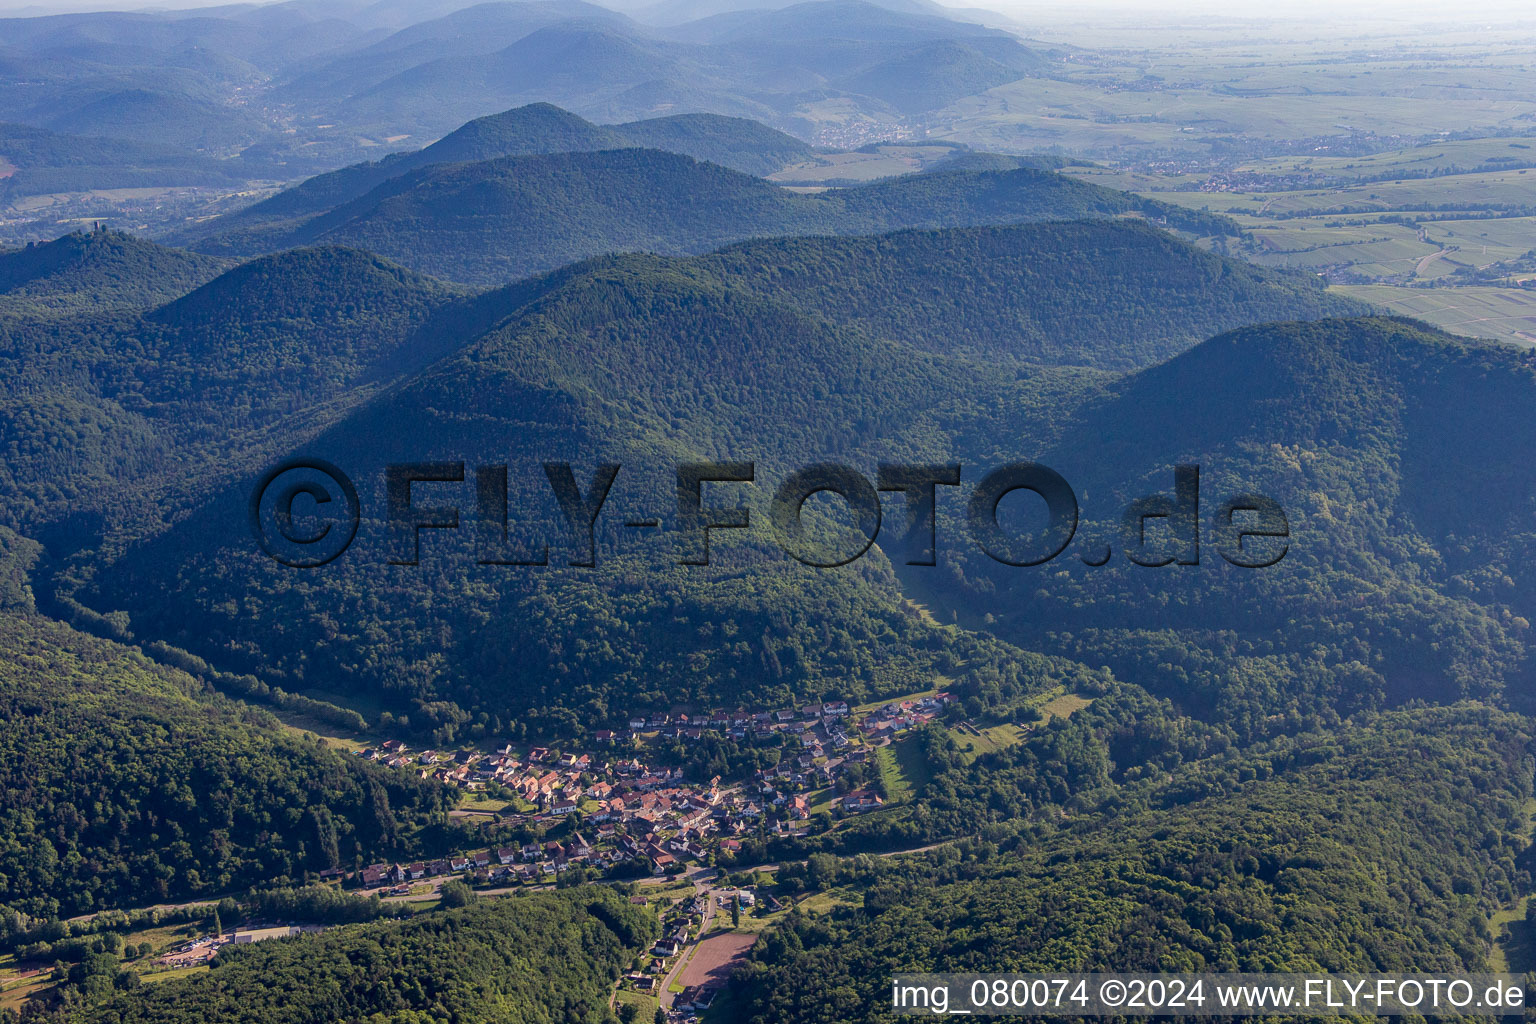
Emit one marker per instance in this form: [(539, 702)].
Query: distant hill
[(878, 58), (821, 23), (44, 162), (95, 272), (501, 219), (537, 128), (735, 142), (678, 12), (474, 29), (173, 118), (936, 75), (366, 78), (259, 36), (560, 63)]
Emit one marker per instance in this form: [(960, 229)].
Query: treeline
[(123, 782), (545, 957), (1380, 848), (70, 941)]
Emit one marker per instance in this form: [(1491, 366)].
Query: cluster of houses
[(631, 810), (736, 724), (530, 862), (660, 957), (882, 725)]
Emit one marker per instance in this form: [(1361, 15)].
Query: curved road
[(701, 887)]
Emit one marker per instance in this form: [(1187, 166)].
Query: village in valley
[(615, 811), (619, 813)]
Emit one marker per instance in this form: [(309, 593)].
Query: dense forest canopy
[(1376, 848), (125, 782), (549, 957), (782, 365)]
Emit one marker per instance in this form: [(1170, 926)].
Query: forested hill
[(642, 360), (733, 142), (1378, 848), (1114, 295), (1370, 608), (546, 957), (48, 162), (123, 782), (97, 271), (498, 220), (232, 367), (94, 403)]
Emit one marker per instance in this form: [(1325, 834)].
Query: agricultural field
[(645, 1005), (1448, 156), (1064, 706), (1151, 98), (19, 983), (1450, 222), (902, 770), (974, 740), (1505, 314), (1513, 189)]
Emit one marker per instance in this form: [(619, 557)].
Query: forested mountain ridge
[(218, 370), (770, 350), (1265, 701), (97, 271), (1053, 294), (45, 162), (1401, 623), (94, 402), (497, 220), (1380, 440), (537, 128), (126, 782)]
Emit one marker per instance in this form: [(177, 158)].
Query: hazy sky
[(1024, 10)]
